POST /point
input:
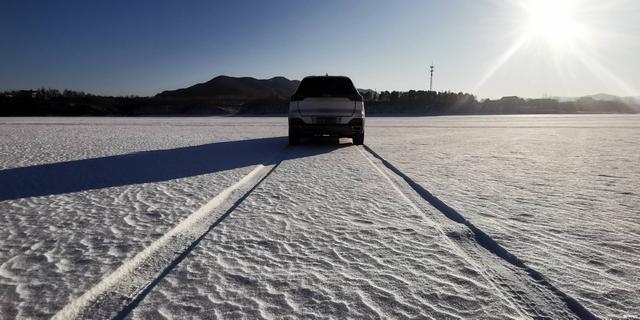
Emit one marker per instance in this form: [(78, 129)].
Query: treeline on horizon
[(52, 102)]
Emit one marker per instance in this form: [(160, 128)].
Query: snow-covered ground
[(328, 230), (335, 240), (560, 192), (82, 195)]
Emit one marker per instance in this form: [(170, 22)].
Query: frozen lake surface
[(560, 192), (217, 217)]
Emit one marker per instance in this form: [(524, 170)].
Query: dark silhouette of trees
[(422, 102), (368, 95), (383, 96), (44, 102), (431, 102)]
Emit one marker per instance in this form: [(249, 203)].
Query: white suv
[(326, 105)]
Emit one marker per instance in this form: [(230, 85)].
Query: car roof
[(326, 76)]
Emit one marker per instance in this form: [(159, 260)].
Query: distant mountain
[(632, 103), (599, 97), (604, 97), (232, 88)]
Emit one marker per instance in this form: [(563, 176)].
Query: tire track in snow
[(324, 236), (120, 292), (499, 286), (526, 287)]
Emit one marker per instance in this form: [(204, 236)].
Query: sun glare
[(552, 20), (561, 32)]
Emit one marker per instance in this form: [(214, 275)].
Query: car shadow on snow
[(151, 166)]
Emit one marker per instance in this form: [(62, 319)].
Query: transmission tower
[(431, 69)]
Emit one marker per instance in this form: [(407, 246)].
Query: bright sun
[(562, 32), (552, 20)]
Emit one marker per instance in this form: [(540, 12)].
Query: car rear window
[(326, 87)]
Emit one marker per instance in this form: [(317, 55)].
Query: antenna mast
[(431, 68)]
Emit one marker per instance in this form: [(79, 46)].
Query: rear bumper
[(351, 129)]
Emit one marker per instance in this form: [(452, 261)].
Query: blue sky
[(144, 47)]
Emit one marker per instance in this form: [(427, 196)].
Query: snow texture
[(559, 192), (437, 217), (142, 176), (324, 249)]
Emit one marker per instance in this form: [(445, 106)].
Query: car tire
[(294, 137), (359, 139)]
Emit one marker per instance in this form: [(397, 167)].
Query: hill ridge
[(226, 87)]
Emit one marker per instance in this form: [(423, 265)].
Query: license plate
[(326, 120)]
